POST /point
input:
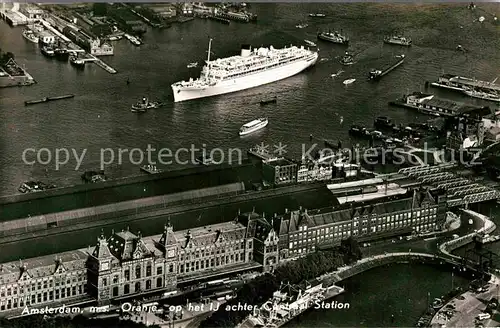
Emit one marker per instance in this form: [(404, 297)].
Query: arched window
[(115, 291), (148, 270), (126, 289), (148, 284), (138, 271), (159, 283), (137, 287)]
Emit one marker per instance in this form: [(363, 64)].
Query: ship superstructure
[(252, 68)]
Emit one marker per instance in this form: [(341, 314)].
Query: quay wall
[(381, 260), (118, 190), (175, 205), (15, 81), (488, 227)]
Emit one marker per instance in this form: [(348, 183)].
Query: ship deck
[(476, 83)]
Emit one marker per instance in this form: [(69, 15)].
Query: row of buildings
[(127, 264)]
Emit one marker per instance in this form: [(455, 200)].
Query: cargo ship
[(398, 40), (377, 74), (428, 104), (334, 37), (250, 69), (460, 83)]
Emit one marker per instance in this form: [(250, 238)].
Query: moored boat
[(61, 54), (77, 62), (491, 96), (48, 51), (30, 35), (253, 126)]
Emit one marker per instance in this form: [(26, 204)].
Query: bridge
[(460, 191)]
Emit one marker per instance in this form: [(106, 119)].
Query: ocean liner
[(250, 69)]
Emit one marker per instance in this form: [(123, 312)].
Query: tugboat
[(77, 62), (48, 51), (334, 37), (30, 35), (144, 105), (347, 59), (398, 40)]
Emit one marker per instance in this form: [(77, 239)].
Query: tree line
[(260, 289)]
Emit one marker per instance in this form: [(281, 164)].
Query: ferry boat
[(398, 40), (77, 62), (192, 65), (30, 35), (134, 40), (317, 15), (47, 51), (334, 37), (250, 69), (347, 59), (253, 126), (349, 81), (460, 83), (491, 96), (310, 43), (144, 105), (302, 25)]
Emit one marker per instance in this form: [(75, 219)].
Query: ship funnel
[(246, 50)]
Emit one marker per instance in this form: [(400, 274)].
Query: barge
[(377, 74), (460, 83), (47, 99), (428, 104)]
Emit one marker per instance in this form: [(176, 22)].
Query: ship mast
[(208, 56)]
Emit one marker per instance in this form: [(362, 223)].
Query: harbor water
[(99, 116)]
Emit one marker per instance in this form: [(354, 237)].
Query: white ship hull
[(255, 128), (242, 83)]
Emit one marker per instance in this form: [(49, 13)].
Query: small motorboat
[(192, 65), (301, 25), (337, 74), (349, 81), (310, 43), (268, 101), (77, 62)]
